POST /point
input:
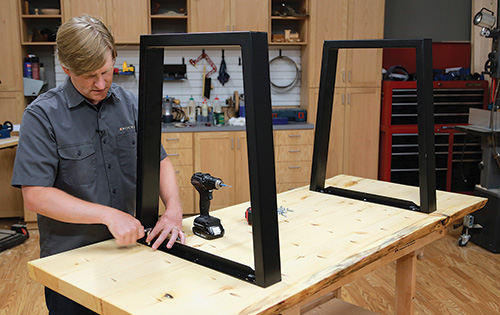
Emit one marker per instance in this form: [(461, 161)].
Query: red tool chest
[(457, 154)]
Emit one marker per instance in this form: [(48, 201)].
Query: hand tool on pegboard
[(207, 82), (203, 55)]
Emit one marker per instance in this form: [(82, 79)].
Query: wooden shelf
[(162, 22), (274, 17), (38, 43), (174, 17), (287, 43), (41, 16), (296, 24)]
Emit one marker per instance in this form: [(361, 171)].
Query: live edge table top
[(323, 240)]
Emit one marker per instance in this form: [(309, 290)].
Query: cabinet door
[(209, 16), (12, 200), (362, 129), (96, 8), (214, 154), (127, 20), (335, 164), (328, 22), (249, 15), (10, 48), (242, 181), (11, 107), (366, 21)]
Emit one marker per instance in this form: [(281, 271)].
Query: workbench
[(326, 241)]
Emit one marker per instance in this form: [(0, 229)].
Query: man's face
[(94, 85)]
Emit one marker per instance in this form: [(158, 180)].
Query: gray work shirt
[(67, 143)]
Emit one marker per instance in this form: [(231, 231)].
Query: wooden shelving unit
[(169, 16), (34, 22), (293, 18)]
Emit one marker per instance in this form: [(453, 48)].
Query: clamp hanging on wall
[(207, 58)]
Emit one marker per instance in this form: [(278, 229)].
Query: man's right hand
[(59, 205), (125, 228)]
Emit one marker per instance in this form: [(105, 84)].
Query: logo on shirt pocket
[(78, 164)]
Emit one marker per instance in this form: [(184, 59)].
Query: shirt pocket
[(78, 164), (127, 153)]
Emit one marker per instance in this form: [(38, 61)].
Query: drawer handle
[(173, 154), (294, 151), (172, 139), (294, 136), (177, 171), (293, 167)]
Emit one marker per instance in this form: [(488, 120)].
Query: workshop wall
[(443, 20), (282, 73)]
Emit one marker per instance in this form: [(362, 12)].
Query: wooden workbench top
[(322, 241)]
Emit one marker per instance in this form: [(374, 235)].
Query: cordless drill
[(205, 225)]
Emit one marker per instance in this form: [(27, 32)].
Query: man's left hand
[(170, 223)]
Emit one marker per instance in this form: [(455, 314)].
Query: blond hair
[(83, 44)]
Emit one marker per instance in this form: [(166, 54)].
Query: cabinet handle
[(343, 75), (227, 27), (234, 28), (293, 167), (294, 151), (177, 171), (238, 143), (172, 139), (294, 136), (343, 98), (232, 146), (349, 77), (173, 154), (348, 98)]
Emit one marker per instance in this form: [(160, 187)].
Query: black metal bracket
[(425, 110), (256, 84)]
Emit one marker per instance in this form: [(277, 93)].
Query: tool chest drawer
[(452, 101), (457, 155), (293, 137), (287, 153), (177, 140)]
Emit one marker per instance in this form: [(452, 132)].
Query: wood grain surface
[(450, 280), (323, 240)]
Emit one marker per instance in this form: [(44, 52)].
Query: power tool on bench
[(205, 225)]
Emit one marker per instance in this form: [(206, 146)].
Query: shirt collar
[(75, 98)]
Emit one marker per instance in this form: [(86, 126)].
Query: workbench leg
[(406, 272)]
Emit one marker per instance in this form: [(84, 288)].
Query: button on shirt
[(88, 152)]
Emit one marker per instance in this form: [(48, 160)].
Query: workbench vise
[(205, 225)]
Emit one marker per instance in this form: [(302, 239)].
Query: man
[(76, 159)]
